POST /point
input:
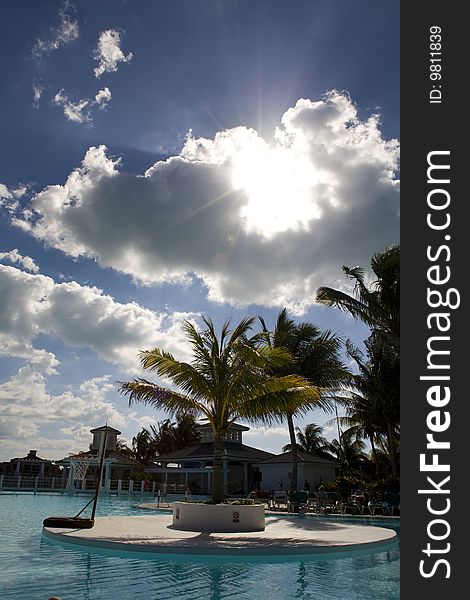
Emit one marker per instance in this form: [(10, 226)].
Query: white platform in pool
[(282, 536)]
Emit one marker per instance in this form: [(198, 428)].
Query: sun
[(279, 186)]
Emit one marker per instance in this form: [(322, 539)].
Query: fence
[(58, 484), (39, 483)]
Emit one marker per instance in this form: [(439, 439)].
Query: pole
[(339, 435), (100, 474)]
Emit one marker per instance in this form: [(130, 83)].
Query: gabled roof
[(205, 451), (233, 426), (105, 428), (304, 457)]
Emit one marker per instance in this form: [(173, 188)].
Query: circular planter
[(218, 518)]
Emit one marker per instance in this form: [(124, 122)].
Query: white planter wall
[(218, 517)]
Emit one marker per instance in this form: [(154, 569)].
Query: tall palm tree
[(377, 306), (315, 356), (363, 417), (378, 381), (229, 377), (311, 441)]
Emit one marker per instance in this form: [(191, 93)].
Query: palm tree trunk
[(293, 445), (217, 472), (372, 445), (391, 449)]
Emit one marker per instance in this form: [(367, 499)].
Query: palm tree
[(168, 436), (143, 447), (230, 377), (311, 441), (350, 451), (123, 448), (185, 432), (377, 306), (362, 417), (378, 381), (315, 357)]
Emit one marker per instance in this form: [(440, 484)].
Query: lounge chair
[(299, 502), (279, 497), (387, 506), (352, 507)]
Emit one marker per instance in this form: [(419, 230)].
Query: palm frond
[(148, 393)]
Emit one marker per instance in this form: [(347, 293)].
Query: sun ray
[(278, 182)]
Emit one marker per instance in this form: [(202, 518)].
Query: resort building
[(30, 466), (276, 470), (193, 465), (245, 468)]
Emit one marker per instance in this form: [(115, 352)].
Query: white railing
[(38, 483), (27, 483)]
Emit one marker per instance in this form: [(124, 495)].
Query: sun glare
[(278, 184)]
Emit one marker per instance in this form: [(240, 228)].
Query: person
[(307, 485), (322, 496)]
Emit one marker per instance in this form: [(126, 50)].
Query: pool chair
[(381, 508), (393, 501), (330, 502), (279, 497), (299, 502), (352, 507), (388, 506)]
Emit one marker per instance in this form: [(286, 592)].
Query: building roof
[(304, 457), (105, 428), (119, 459), (32, 457), (232, 426), (205, 451)]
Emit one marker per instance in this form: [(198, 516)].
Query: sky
[(167, 159)]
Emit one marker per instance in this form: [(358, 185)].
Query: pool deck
[(282, 536)]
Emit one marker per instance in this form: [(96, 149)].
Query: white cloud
[(81, 317), (257, 222), (37, 93), (103, 97), (74, 111), (27, 408), (66, 32), (108, 52), (34, 307), (270, 439), (9, 198), (13, 256), (81, 111)]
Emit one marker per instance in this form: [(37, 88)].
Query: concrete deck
[(282, 536)]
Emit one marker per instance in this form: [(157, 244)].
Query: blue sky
[(162, 159)]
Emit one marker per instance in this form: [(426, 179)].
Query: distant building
[(116, 465), (30, 466)]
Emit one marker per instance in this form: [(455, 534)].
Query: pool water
[(33, 569)]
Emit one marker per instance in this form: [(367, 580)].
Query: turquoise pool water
[(32, 569)]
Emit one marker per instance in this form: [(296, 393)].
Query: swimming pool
[(35, 570)]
